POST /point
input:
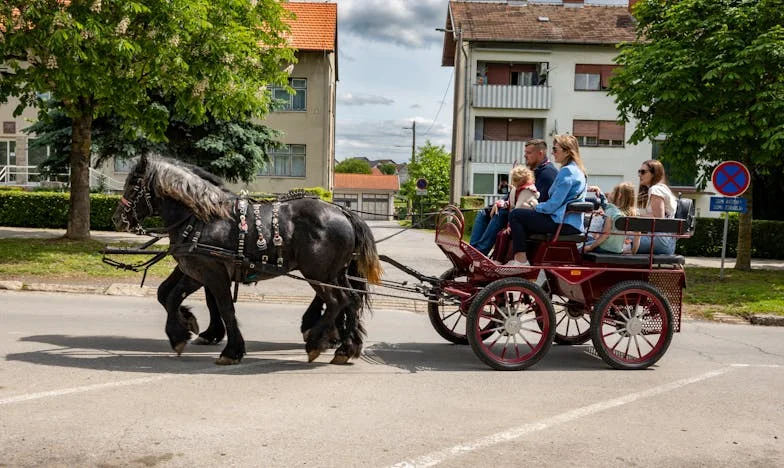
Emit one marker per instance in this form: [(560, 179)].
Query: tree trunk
[(79, 214), (743, 259)]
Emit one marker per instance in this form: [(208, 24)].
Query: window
[(515, 74), (9, 127), (484, 183), (292, 102), (286, 162), (592, 77), (496, 129), (124, 165), (599, 133)]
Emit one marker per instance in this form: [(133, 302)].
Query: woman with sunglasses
[(655, 200), (568, 187)]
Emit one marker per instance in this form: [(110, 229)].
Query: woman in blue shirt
[(569, 186)]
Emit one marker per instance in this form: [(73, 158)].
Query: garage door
[(375, 206)]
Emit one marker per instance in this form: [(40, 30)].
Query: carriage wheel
[(449, 320), (511, 324), (631, 326), (572, 322)]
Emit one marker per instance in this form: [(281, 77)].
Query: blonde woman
[(568, 187), (655, 200)]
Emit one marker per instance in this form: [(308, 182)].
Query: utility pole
[(413, 139)]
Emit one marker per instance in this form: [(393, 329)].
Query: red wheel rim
[(634, 326), (514, 326)]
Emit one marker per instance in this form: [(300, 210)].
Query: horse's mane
[(205, 196)]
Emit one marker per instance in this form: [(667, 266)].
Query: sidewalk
[(413, 248)]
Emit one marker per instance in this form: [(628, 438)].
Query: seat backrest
[(685, 210)]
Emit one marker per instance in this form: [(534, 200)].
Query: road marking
[(440, 456), (126, 383)]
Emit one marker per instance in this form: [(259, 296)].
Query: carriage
[(629, 306)]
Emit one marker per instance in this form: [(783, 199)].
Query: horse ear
[(141, 166)]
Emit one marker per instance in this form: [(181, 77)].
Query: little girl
[(524, 193), (621, 203)]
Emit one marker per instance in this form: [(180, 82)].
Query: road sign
[(728, 204), (421, 183), (731, 178)]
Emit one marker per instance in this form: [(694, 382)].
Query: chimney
[(573, 3)]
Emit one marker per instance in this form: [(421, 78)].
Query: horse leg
[(215, 331), (178, 326), (311, 317), (350, 326), (325, 334), (163, 293), (218, 283)]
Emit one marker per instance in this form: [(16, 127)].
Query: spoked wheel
[(449, 320), (511, 324), (631, 326), (572, 322)]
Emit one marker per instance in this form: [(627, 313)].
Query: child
[(621, 203), (523, 195)]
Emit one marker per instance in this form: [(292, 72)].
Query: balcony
[(512, 96), (497, 152)]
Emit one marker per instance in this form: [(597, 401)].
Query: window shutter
[(521, 129), (607, 72), (522, 67), (588, 69), (609, 130), (498, 74), (585, 128), (495, 130)]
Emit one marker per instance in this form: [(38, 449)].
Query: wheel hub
[(513, 325), (634, 326)]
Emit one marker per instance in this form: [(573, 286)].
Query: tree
[(353, 166), (708, 74), (431, 163), (387, 168), (235, 150), (105, 57)]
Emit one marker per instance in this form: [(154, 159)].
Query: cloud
[(387, 139), (359, 99), (406, 23)]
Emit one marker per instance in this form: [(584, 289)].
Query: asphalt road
[(88, 380)]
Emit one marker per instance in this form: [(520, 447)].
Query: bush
[(50, 210), (470, 207), (767, 239)]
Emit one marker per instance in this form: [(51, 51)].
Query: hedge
[(767, 239), (50, 209)]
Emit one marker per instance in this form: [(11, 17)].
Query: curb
[(132, 290)]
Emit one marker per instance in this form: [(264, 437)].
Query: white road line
[(125, 383), (439, 456)]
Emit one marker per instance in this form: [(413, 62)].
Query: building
[(533, 69), (369, 194)]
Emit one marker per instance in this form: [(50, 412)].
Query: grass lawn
[(739, 293)]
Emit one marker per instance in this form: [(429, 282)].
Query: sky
[(390, 74)]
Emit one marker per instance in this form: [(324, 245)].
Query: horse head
[(136, 203)]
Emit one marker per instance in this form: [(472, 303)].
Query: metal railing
[(30, 176)]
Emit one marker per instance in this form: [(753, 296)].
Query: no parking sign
[(731, 178)]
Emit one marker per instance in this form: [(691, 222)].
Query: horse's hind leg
[(325, 333), (311, 317), (350, 328), (171, 294), (215, 331), (219, 284)]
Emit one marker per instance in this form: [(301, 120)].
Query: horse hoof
[(312, 355), (339, 359), (180, 348), (226, 361), (201, 341)]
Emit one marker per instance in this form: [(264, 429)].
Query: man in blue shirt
[(487, 227)]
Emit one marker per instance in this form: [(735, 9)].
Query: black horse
[(217, 237)]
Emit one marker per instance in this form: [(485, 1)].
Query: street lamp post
[(413, 139)]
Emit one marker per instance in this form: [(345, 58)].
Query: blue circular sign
[(731, 178), (421, 183)]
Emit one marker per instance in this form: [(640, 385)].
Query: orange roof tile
[(366, 182), (315, 26)]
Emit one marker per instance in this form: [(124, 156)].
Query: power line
[(443, 98)]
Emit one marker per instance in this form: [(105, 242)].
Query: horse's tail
[(368, 264)]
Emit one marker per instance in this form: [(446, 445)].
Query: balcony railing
[(497, 152), (29, 176), (512, 96)]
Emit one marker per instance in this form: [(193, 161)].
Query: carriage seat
[(633, 260), (576, 207)]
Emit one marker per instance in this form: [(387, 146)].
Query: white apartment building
[(533, 69)]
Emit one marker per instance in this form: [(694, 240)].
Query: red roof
[(366, 182), (315, 26)]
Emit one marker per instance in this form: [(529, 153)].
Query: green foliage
[(50, 210), (387, 168), (432, 163), (353, 166), (709, 74), (470, 206), (767, 239)]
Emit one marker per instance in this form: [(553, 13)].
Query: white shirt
[(670, 202)]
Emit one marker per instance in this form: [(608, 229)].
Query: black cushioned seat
[(561, 238), (636, 260)]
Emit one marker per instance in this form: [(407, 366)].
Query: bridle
[(140, 191)]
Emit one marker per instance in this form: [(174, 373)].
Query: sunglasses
[(642, 171)]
